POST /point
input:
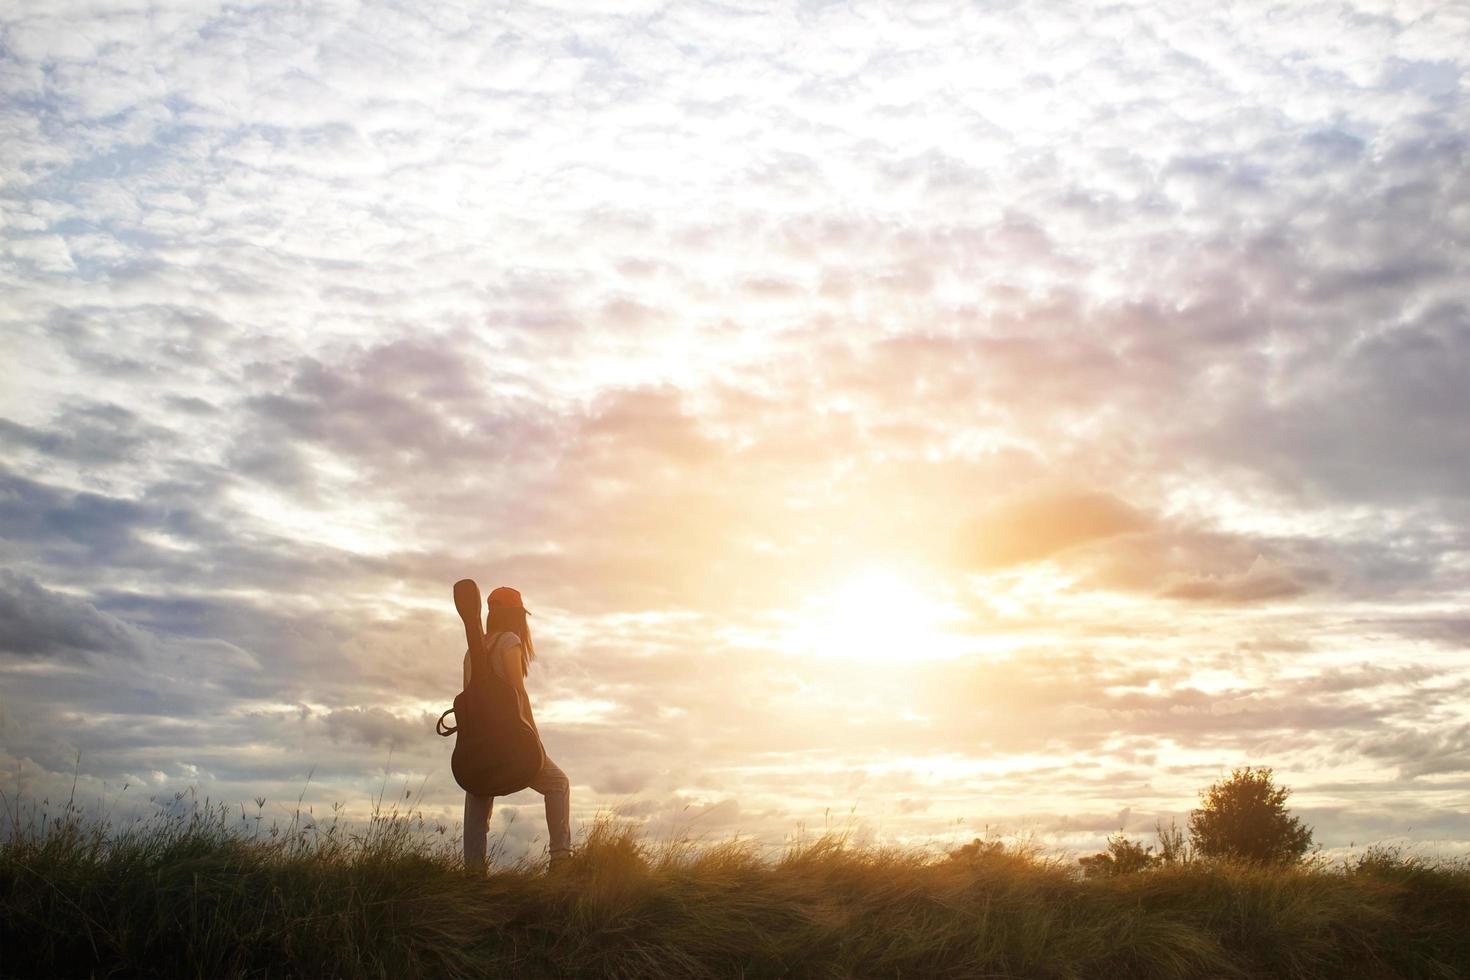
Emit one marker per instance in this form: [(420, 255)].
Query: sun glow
[(874, 615)]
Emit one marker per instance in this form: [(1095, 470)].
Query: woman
[(508, 639)]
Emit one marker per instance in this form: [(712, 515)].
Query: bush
[(1173, 848), (1123, 857), (1244, 818)]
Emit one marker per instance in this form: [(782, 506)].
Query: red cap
[(506, 596)]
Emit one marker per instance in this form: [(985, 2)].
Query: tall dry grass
[(204, 890)]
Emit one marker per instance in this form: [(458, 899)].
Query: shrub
[(1173, 848), (1244, 818), (1123, 857)]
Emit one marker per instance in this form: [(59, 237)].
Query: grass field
[(206, 892)]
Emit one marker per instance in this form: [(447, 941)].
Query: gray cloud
[(1421, 752), (93, 435), (38, 622), (1262, 581), (375, 726)]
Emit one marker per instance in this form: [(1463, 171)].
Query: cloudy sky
[(938, 416)]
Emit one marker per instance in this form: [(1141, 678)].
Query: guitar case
[(497, 751)]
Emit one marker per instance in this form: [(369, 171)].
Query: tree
[(1123, 857), (1244, 818)]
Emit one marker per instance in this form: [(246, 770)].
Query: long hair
[(508, 619)]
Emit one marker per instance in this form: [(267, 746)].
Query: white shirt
[(497, 657)]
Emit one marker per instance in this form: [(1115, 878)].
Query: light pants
[(551, 783)]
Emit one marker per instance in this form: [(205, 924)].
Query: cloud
[(1371, 422), (92, 435), (1138, 349), (1038, 527), (376, 726), (1264, 580), (1450, 630), (36, 622), (619, 783), (1421, 752)]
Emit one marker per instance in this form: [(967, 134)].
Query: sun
[(874, 615)]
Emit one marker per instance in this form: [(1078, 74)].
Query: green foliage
[(206, 891), (1173, 848), (1244, 818), (1123, 857)]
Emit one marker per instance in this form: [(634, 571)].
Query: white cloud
[(684, 310)]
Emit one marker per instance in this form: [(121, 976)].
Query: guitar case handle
[(445, 730)]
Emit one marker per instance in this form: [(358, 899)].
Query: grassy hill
[(206, 892)]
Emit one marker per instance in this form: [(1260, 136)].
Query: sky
[(934, 419)]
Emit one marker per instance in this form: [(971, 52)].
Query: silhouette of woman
[(508, 638)]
